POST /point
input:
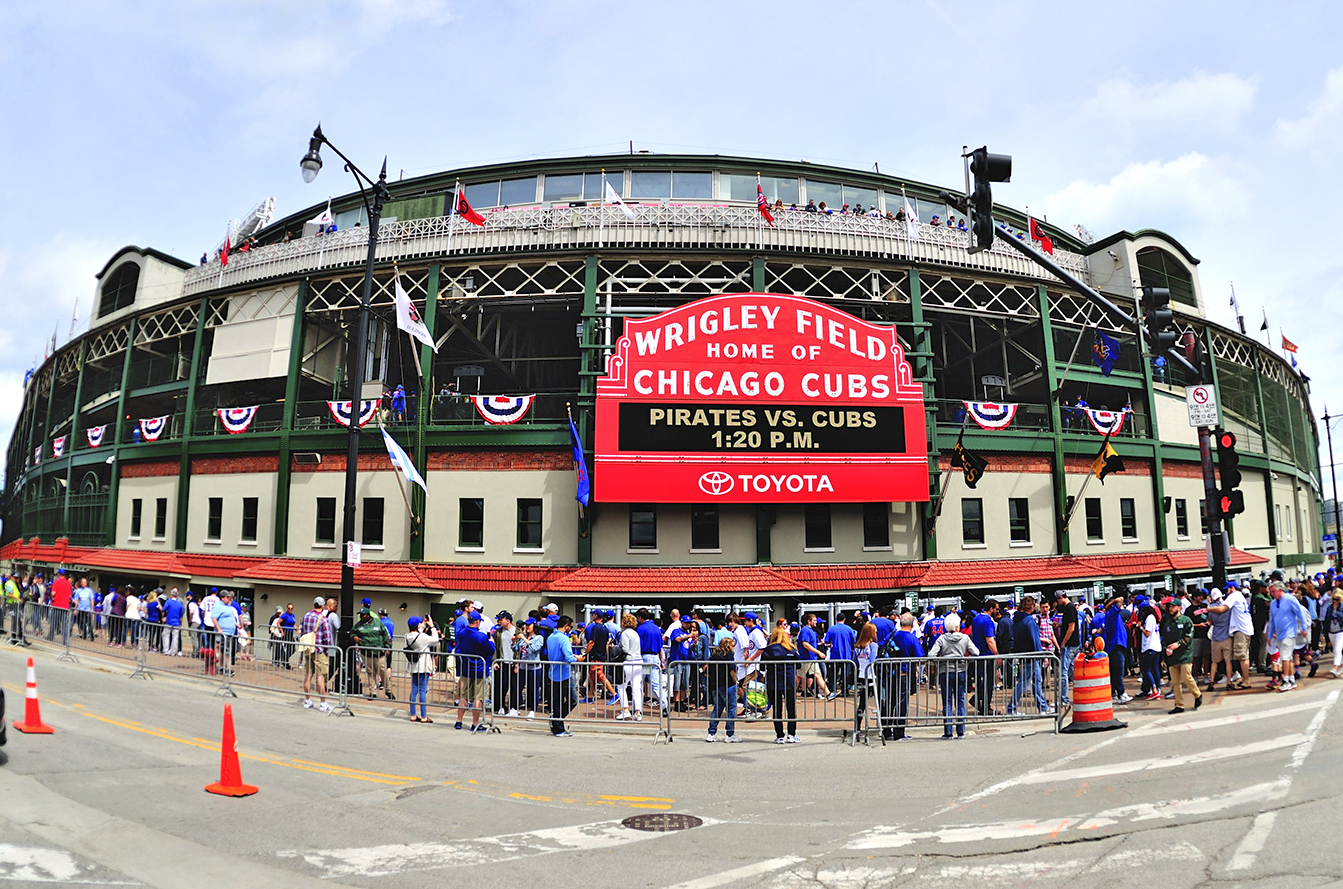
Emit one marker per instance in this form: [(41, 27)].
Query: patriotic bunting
[(990, 415), (502, 410), (95, 434), (1106, 422), (237, 419), (152, 427), (37, 454), (341, 411), (58, 446)]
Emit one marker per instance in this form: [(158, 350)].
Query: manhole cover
[(662, 821)]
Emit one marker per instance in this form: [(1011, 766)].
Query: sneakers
[(457, 726), (623, 714), (790, 739), (1154, 696), (1235, 677), (325, 707), (1125, 698), (732, 739), (480, 728), (585, 700), (710, 738), (1047, 711), (1222, 680), (531, 714), (638, 717), (832, 696), (307, 704), (564, 734), (615, 699), (780, 741)]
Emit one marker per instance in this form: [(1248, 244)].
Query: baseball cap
[(477, 605), (318, 600), (610, 614), (473, 617), (685, 618), (413, 622), (750, 615), (1169, 600), (365, 612), (60, 570), (553, 608), (382, 612), (503, 614), (367, 602), (530, 620)]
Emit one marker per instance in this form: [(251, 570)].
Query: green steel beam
[(280, 538), (923, 371), (117, 427), (587, 388), (184, 466), (421, 453), (74, 431), (1058, 476), (1154, 435), (758, 274)]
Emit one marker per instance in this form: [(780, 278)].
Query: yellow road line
[(307, 762)]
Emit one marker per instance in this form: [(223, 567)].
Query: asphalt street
[(1241, 793)]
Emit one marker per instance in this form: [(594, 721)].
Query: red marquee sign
[(759, 398)]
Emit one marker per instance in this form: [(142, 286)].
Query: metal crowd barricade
[(454, 681), (958, 692), (526, 692), (764, 692)]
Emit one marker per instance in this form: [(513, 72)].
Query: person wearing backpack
[(1333, 625), (420, 637)]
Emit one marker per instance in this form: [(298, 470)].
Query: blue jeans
[(1151, 671), (724, 699), (1069, 658), (953, 701), (1028, 671), (419, 691)]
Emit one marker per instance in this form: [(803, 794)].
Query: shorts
[(318, 664), (473, 688), (680, 676), (1221, 650), (810, 668), (597, 674), (1240, 646), (1286, 646), (1201, 649)]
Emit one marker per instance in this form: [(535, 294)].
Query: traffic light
[(1159, 319), (987, 168), (1230, 502)]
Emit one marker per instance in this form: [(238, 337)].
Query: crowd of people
[(1002, 659)]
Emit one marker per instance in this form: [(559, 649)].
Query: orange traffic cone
[(230, 773), (32, 710)]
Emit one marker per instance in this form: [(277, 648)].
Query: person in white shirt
[(1242, 628), (133, 615), (1151, 657)]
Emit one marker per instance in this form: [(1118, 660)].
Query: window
[(876, 526), (214, 526), (249, 510), (372, 514), (326, 520), (972, 520), (1203, 517), (692, 186), (160, 518), (471, 522), (732, 187), (1019, 519), (563, 187), (1182, 519), (817, 521), (137, 511), (1157, 268), (650, 184), (507, 193), (1128, 519), (529, 523), (829, 192), (704, 528), (1287, 522), (1095, 528), (643, 526), (118, 290)]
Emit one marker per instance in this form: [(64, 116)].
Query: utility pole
[(1329, 436)]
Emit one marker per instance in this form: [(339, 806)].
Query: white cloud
[(1324, 110), (1202, 101), (1192, 188)]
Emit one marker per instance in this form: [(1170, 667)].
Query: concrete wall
[(500, 490), (147, 490), (1116, 487), (232, 489), (1172, 416), (254, 344), (995, 488), (736, 537), (788, 536), (306, 487)]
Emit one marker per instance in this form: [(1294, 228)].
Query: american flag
[(762, 204)]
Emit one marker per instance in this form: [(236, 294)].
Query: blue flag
[(401, 460), (584, 493), (1104, 352)]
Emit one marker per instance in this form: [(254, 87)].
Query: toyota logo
[(716, 483)]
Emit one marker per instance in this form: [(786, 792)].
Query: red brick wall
[(150, 469), (233, 465), (1007, 463), (500, 461), (1082, 465), (1182, 470), (336, 463)]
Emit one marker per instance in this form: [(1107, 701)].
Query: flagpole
[(452, 211), (569, 413), (227, 230), (354, 418), (321, 252), (1067, 520), (759, 218), (1069, 366), (942, 495), (414, 351), (601, 214)]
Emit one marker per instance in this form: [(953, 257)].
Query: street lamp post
[(311, 165), (1329, 435)]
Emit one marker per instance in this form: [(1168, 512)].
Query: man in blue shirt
[(173, 613), (226, 625), (886, 627), (84, 609), (1026, 641), (561, 654), (839, 641), (808, 649), (650, 647), (898, 681), (474, 651), (1115, 633), (984, 634)]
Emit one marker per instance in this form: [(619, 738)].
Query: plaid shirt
[(315, 622)]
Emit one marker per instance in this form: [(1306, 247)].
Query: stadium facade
[(536, 302)]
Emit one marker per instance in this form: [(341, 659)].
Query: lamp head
[(311, 164)]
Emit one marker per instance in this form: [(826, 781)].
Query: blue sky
[(155, 124)]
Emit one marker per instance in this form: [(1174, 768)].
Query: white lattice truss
[(686, 227), (67, 363), (175, 322), (341, 294), (107, 343), (837, 281), (1258, 359), (691, 278)]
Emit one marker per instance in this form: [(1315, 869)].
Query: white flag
[(911, 222), (613, 198), (323, 219), (408, 318), (401, 460)]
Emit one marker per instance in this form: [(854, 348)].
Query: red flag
[(223, 254), (464, 210), (1038, 234), (762, 204), (1288, 346)]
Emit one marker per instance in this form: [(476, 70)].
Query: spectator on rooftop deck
[(935, 220), (960, 224), (778, 205), (811, 207), (875, 213), (792, 206), (823, 209), (899, 215)]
